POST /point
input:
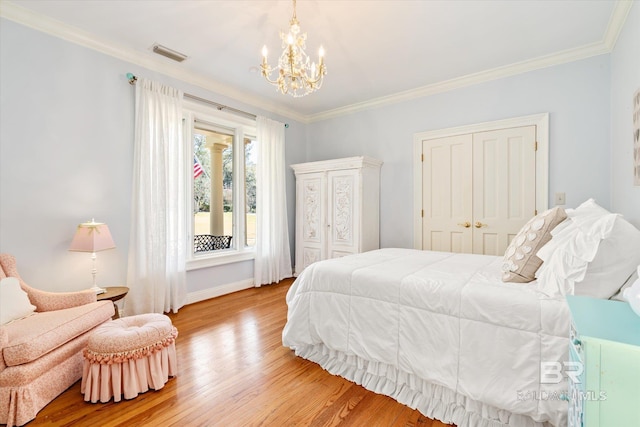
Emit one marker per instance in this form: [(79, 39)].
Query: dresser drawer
[(604, 373)]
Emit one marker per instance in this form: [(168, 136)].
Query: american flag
[(197, 168)]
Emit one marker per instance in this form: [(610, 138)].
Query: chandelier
[(296, 74)]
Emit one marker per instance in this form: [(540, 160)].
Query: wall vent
[(169, 53)]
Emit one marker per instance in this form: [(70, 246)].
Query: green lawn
[(201, 225)]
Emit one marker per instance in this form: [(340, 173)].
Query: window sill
[(220, 259)]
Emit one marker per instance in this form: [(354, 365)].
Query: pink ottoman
[(129, 356)]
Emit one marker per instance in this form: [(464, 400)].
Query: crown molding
[(616, 22), (53, 27), (75, 35), (606, 45), (569, 55)]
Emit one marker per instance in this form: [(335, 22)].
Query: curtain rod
[(132, 81)]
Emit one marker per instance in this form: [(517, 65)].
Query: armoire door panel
[(343, 210), (339, 254), (313, 221), (310, 255)]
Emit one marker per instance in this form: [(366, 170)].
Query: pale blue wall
[(576, 96), (66, 129), (66, 144), (66, 137), (625, 81)]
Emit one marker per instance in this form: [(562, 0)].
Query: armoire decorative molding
[(337, 208)]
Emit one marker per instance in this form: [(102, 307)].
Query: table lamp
[(92, 237)]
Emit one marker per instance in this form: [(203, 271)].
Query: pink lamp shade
[(92, 237)]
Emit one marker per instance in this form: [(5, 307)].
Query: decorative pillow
[(520, 259), (14, 302)]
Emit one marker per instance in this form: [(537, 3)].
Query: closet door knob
[(466, 224), (478, 224)]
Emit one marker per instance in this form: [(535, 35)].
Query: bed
[(443, 333)]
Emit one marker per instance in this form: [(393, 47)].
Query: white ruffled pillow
[(592, 253), (14, 302)]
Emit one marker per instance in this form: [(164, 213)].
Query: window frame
[(243, 127)]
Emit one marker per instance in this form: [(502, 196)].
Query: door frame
[(541, 121)]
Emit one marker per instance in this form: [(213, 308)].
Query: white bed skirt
[(432, 400)]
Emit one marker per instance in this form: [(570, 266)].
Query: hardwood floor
[(234, 371)]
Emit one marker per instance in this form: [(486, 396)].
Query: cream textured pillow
[(14, 302), (520, 260)]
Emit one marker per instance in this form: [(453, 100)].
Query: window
[(223, 192), (250, 191)]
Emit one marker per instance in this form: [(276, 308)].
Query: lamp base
[(98, 290)]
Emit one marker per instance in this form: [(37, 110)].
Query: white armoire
[(337, 208)]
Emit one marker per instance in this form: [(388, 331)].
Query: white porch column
[(216, 209)]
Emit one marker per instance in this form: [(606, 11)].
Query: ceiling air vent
[(169, 53)]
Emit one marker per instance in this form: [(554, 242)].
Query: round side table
[(113, 294)]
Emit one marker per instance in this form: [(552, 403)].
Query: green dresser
[(604, 355)]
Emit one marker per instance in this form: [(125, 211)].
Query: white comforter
[(437, 331)]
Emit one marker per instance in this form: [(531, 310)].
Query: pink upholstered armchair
[(44, 301), (41, 355)]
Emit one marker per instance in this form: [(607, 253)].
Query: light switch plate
[(560, 199)]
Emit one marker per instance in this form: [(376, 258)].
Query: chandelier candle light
[(92, 237), (297, 75)]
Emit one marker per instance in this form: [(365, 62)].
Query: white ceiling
[(377, 51)]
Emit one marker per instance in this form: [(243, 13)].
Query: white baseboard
[(193, 297)]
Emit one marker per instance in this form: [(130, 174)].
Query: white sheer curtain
[(273, 256), (157, 246)]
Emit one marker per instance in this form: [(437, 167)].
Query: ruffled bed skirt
[(132, 376), (432, 400)]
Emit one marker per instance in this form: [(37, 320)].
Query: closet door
[(478, 190), (447, 194), (343, 188), (504, 188)]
